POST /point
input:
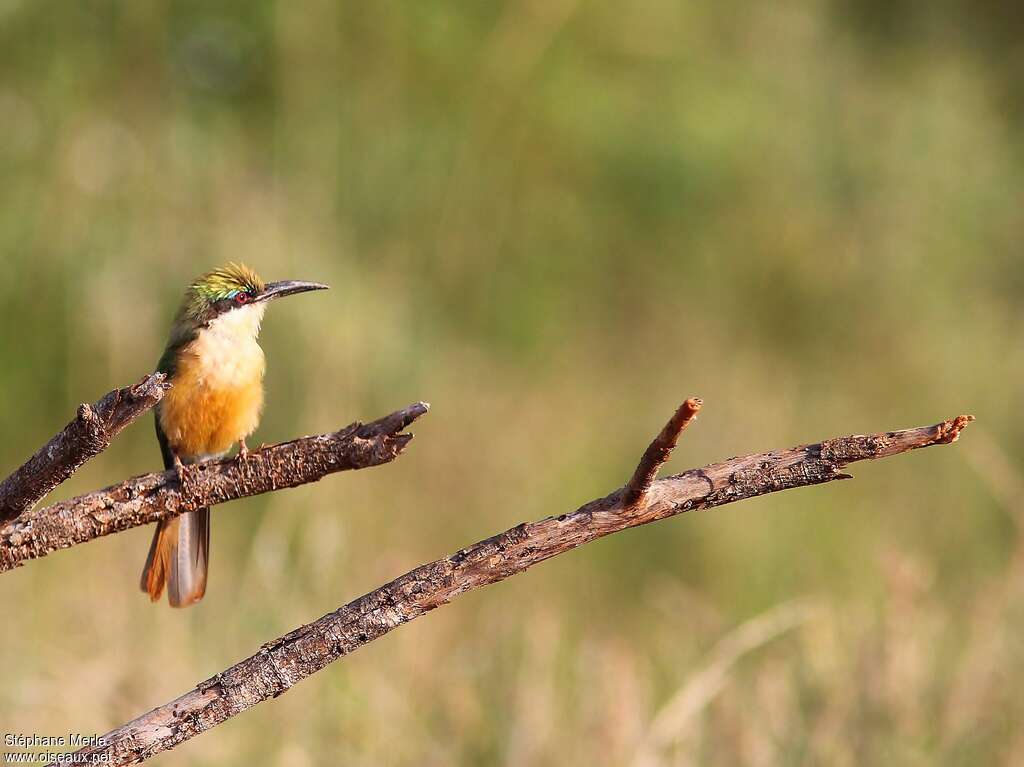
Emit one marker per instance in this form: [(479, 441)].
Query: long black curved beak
[(287, 288)]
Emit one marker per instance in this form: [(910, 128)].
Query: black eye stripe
[(236, 301)]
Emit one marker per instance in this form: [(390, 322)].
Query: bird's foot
[(179, 470), (243, 450)]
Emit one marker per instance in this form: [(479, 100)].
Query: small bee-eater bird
[(216, 370)]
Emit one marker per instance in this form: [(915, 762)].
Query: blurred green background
[(554, 220)]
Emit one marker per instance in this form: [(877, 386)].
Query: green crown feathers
[(224, 282)]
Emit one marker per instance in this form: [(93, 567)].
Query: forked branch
[(85, 437), (285, 661), (152, 497)]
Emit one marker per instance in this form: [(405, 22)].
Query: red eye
[(242, 298)]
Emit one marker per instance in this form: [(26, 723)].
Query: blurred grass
[(552, 219)]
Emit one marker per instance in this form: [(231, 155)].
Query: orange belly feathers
[(216, 399)]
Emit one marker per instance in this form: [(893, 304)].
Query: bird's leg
[(243, 449), (179, 469)]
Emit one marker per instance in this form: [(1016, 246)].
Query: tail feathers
[(154, 572), (179, 559)]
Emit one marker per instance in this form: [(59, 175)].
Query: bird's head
[(232, 295)]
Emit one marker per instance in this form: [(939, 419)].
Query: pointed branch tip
[(396, 422), (949, 431)]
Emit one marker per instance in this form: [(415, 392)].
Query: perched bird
[(216, 368)]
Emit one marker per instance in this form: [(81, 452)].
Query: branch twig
[(659, 451), (157, 496), (285, 661), (88, 435)]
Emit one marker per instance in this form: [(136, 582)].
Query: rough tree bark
[(88, 435), (157, 496), (281, 663)]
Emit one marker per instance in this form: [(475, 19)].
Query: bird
[(215, 367)]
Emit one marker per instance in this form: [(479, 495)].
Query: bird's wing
[(167, 365), (165, 447)]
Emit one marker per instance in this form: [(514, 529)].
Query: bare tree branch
[(285, 661), (157, 496), (88, 435)]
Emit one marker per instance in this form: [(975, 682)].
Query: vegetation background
[(553, 219)]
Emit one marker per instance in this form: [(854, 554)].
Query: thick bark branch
[(157, 496), (283, 662), (88, 435)]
